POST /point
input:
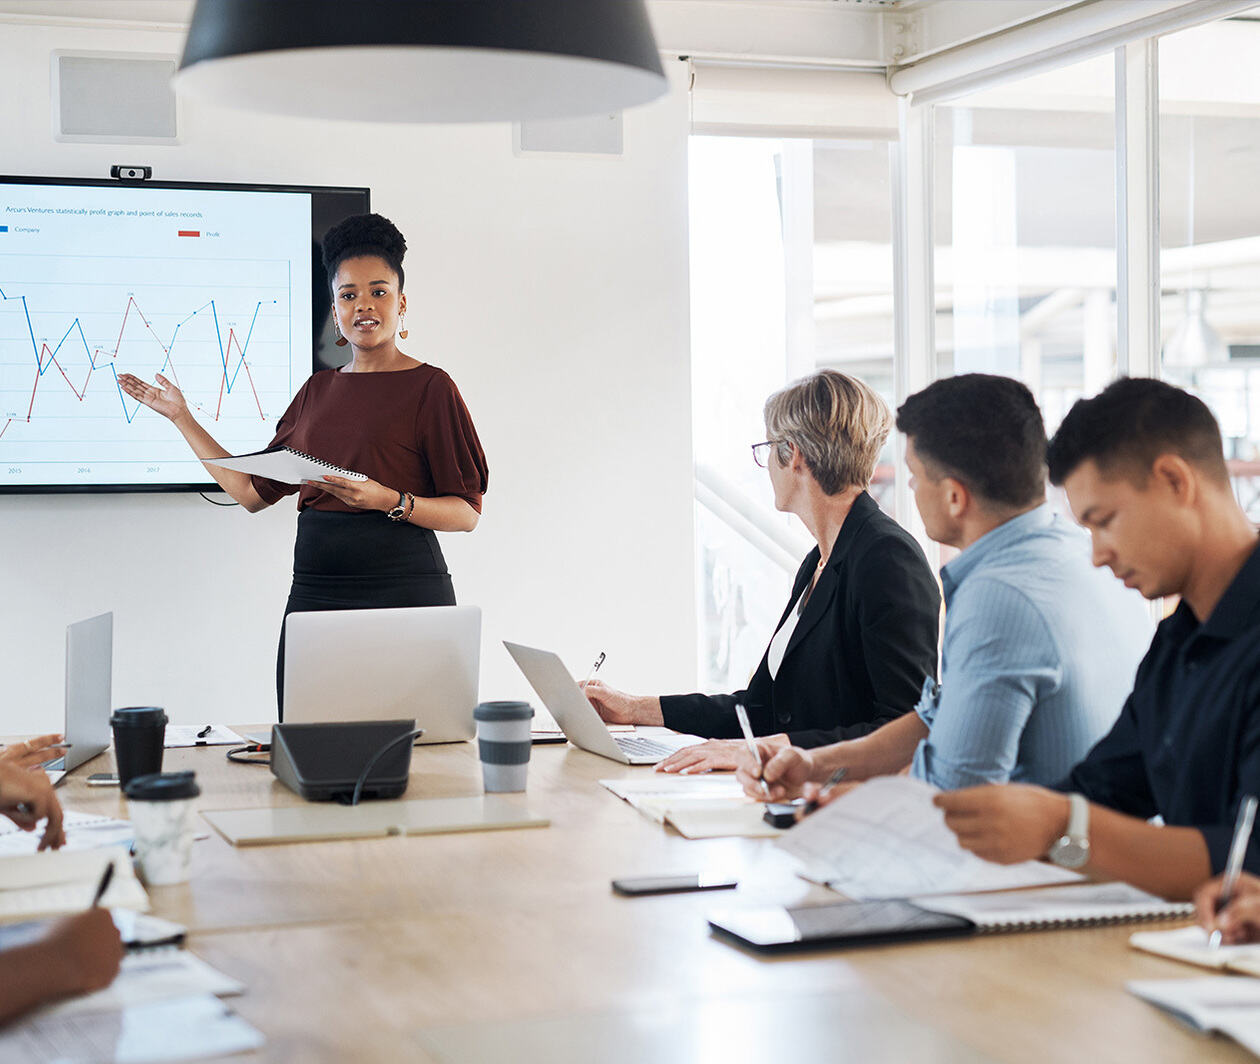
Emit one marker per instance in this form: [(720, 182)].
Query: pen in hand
[(741, 715), (1233, 865), (103, 886), (594, 669), (812, 805)]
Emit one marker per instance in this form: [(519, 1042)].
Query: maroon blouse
[(408, 430)]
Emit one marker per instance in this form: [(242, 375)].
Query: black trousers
[(361, 561)]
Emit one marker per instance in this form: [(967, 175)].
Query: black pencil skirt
[(361, 561)]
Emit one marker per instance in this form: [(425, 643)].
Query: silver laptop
[(393, 664), (89, 691), (578, 719)]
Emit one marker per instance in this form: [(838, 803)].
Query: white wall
[(554, 290)]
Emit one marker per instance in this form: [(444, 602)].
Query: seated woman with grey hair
[(859, 633)]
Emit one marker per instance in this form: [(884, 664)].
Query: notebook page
[(84, 831), (885, 839), (52, 883), (186, 1028), (1211, 1003), (288, 467), (1190, 944)]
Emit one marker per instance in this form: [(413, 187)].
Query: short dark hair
[(1131, 423), (364, 234), (984, 431)]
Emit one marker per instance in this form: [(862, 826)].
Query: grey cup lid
[(163, 787), (138, 717), (492, 711)]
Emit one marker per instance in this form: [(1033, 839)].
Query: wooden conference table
[(509, 945)]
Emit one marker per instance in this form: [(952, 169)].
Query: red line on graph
[(41, 365), (253, 389), (190, 232), (6, 427)]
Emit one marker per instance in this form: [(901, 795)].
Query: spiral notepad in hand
[(285, 465)]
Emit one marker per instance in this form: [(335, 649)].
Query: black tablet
[(841, 924)]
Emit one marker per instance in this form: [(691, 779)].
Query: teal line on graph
[(228, 381)]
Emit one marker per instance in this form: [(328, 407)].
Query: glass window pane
[(1026, 235), (791, 270), (1209, 133)]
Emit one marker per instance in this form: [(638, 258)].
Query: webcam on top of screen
[(131, 173)]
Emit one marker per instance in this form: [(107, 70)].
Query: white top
[(779, 643)]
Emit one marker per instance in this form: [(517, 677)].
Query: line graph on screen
[(218, 329)]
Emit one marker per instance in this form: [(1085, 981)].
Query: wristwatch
[(1071, 849), (396, 514)]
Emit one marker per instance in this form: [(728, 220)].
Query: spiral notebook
[(1090, 905), (864, 923), (283, 464)]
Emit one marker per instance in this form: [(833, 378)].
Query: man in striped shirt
[(1040, 648)]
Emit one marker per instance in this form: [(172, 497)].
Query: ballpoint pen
[(594, 669), (103, 886), (1233, 865), (812, 805), (741, 715)]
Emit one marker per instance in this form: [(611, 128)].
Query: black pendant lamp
[(422, 60)]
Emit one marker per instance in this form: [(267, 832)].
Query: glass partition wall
[(791, 270), (1209, 159), (1026, 180)]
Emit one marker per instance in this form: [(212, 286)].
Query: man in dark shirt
[(1144, 471)]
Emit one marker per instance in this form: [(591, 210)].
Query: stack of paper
[(886, 839), (84, 831), (698, 807), (57, 882), (173, 1028), (152, 975)]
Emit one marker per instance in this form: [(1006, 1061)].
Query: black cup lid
[(163, 787), (503, 711), (138, 716)]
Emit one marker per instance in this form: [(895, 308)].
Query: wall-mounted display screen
[(217, 287)]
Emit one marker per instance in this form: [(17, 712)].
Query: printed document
[(885, 839)]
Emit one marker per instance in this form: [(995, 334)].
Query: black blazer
[(860, 651)]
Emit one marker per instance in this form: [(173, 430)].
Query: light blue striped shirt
[(1039, 655)]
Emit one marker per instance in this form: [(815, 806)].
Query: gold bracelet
[(411, 505)]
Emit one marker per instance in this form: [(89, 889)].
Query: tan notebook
[(1190, 944), (715, 820), (317, 821)]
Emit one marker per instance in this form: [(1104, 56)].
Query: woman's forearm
[(447, 513), (204, 446)]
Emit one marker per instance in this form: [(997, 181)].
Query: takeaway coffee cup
[(503, 740), (139, 732), (160, 806)]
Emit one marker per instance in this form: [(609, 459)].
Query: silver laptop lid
[(89, 688), (391, 664), (562, 696)]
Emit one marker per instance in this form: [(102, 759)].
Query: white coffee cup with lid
[(160, 806)]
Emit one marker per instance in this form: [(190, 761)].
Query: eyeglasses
[(761, 452)]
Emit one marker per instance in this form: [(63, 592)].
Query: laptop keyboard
[(636, 747)]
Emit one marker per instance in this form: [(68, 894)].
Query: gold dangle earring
[(402, 326), (341, 340)]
